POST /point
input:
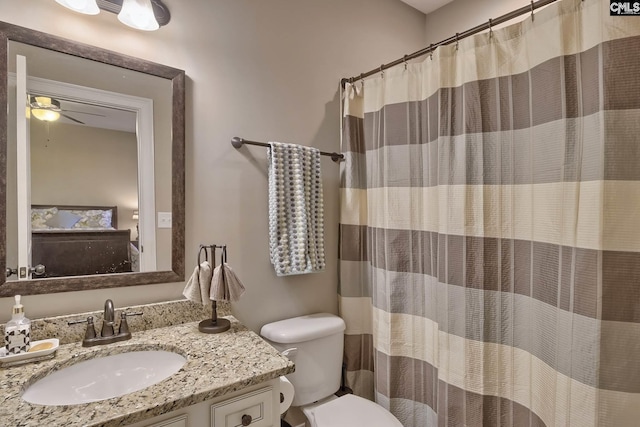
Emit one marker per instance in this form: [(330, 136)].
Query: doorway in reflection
[(84, 191)]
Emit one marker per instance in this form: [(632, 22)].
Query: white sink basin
[(104, 377)]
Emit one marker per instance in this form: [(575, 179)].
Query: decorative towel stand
[(238, 142), (213, 325)]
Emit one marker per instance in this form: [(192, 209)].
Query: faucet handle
[(91, 330), (133, 313), (124, 325)]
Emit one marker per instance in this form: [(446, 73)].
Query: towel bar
[(238, 142)]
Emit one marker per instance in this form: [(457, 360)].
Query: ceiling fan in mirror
[(48, 109)]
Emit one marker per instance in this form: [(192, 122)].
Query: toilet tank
[(319, 340)]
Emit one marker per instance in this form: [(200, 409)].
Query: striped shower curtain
[(490, 227)]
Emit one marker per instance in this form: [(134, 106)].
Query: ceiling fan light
[(88, 7), (45, 115), (138, 14), (44, 102)]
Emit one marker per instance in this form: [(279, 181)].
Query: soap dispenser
[(17, 331)]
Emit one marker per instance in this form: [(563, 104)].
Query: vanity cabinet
[(256, 406)]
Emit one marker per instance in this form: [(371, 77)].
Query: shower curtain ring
[(490, 28), (404, 59), (382, 71), (431, 51), (457, 41)]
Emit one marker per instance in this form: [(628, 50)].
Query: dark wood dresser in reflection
[(72, 253)]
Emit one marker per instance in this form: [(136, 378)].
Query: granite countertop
[(217, 364)]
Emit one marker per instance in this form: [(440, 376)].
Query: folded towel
[(225, 285), (296, 217), (198, 286)]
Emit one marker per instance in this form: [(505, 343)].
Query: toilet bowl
[(315, 344)]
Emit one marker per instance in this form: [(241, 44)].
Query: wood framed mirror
[(142, 219)]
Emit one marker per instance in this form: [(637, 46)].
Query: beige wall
[(256, 69), (462, 15)]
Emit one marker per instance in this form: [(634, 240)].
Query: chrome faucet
[(108, 335)]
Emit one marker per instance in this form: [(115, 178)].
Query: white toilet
[(318, 340)]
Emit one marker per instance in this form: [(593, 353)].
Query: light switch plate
[(164, 219)]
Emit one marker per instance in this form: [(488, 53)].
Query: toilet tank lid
[(303, 328)]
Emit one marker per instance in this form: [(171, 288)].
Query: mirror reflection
[(94, 159), (84, 188)]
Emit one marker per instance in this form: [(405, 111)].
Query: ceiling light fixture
[(138, 14), (44, 108), (88, 7), (45, 115), (147, 15)]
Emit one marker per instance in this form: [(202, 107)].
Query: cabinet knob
[(246, 420), (38, 270)]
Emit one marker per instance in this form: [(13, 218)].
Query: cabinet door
[(180, 421), (251, 409)]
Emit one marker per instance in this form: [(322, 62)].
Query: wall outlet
[(164, 219)]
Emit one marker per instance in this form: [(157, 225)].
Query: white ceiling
[(427, 6)]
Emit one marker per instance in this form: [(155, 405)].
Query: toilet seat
[(349, 411)]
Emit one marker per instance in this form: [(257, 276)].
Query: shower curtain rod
[(475, 30), (237, 142)]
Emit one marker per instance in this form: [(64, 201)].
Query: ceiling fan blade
[(84, 112), (71, 118)]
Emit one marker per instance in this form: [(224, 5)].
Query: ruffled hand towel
[(296, 216), (225, 285), (198, 286)]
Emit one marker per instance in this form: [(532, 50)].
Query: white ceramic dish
[(12, 358)]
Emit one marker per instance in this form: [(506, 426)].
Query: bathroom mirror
[(115, 152)]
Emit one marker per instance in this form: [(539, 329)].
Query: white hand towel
[(225, 285), (296, 217), (198, 286)]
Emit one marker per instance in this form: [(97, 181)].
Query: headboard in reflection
[(118, 143)]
